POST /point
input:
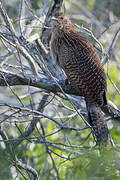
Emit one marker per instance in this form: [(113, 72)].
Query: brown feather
[(83, 69)]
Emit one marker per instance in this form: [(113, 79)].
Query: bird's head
[(60, 22)]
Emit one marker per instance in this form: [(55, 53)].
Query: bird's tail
[(98, 124)]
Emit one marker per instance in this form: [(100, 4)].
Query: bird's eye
[(61, 17)]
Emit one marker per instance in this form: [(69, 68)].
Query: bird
[(84, 71)]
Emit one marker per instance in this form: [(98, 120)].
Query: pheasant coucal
[(84, 71)]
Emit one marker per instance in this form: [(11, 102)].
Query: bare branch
[(18, 79), (112, 46), (45, 34), (51, 86), (33, 123), (28, 168)]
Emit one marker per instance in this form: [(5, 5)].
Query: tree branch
[(112, 46), (51, 86)]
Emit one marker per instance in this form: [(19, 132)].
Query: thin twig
[(28, 168), (112, 46)]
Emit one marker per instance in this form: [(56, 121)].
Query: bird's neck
[(61, 32)]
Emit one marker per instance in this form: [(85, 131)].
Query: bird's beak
[(54, 18)]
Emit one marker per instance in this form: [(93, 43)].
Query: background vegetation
[(42, 134)]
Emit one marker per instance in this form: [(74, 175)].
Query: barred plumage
[(83, 68)]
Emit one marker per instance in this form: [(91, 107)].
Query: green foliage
[(35, 4), (90, 4), (114, 75), (4, 165)]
